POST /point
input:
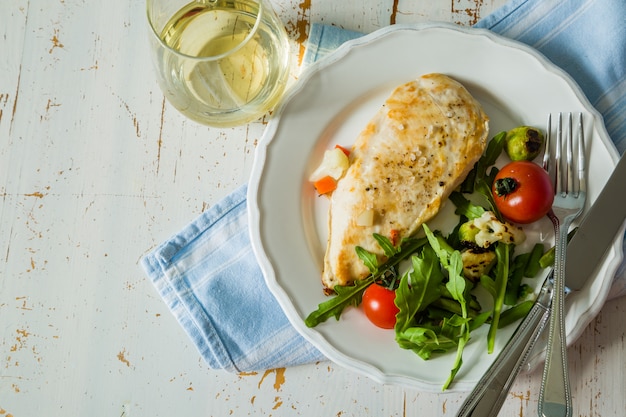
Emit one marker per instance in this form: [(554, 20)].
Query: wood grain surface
[(96, 169)]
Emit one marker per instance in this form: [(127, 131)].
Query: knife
[(597, 230), (585, 251)]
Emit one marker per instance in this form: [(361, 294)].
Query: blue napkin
[(208, 276), (207, 273)]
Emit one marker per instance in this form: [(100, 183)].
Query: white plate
[(331, 104)]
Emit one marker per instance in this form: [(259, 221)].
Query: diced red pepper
[(325, 185), (394, 236)]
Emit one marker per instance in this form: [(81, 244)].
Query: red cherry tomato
[(523, 192), (378, 303)]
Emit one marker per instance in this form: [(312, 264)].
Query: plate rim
[(254, 213)]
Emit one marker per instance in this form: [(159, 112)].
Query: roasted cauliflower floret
[(477, 263), (486, 230)]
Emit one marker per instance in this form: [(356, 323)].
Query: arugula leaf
[(439, 245), (464, 336), (470, 299), (452, 306), (484, 188), (456, 285), (406, 248), (456, 282), (369, 259), (524, 265), (464, 207), (346, 296), (479, 320), (503, 252), (424, 341), (451, 260), (421, 288), (494, 149), (385, 243), (418, 288)]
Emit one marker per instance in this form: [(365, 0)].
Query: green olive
[(523, 143)]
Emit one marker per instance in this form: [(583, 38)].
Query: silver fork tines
[(569, 200), (564, 183)]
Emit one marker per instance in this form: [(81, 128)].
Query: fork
[(555, 398)]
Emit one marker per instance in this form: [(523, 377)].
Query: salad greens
[(438, 309), (457, 326), (351, 295)]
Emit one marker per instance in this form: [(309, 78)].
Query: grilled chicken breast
[(413, 153)]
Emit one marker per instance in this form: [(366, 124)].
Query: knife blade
[(597, 229)]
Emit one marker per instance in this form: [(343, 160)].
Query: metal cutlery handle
[(490, 393), (555, 399)]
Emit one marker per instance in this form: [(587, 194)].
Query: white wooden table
[(96, 169)]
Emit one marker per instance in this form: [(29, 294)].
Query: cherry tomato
[(523, 192), (378, 303)]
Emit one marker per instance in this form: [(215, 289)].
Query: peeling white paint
[(96, 168)]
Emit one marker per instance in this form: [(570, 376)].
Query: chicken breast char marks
[(413, 153)]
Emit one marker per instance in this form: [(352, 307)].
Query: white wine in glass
[(219, 62)]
